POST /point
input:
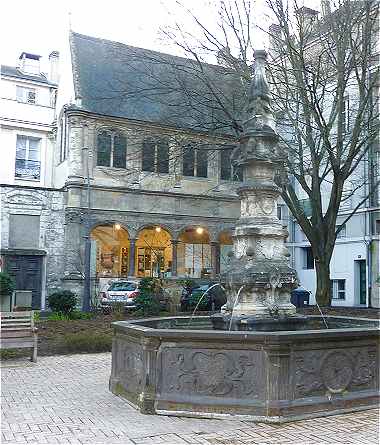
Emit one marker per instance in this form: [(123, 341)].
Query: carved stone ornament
[(267, 205), (131, 366), (335, 371), (212, 373)]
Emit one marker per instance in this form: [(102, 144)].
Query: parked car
[(120, 291), (214, 299)]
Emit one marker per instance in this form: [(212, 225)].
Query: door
[(361, 281), (26, 270)]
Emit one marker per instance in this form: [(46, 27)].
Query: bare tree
[(324, 80), (323, 77)]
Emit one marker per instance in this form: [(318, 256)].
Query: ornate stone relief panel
[(129, 365), (211, 372), (335, 371)]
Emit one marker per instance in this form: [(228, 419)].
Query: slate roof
[(17, 73), (119, 80)]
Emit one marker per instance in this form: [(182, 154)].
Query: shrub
[(148, 300), (7, 284), (88, 342), (63, 302), (74, 315)]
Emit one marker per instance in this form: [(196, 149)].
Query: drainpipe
[(86, 307)]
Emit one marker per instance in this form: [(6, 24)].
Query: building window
[(342, 232), (307, 258), (26, 95), (195, 162), (155, 156), (227, 171), (63, 140), (111, 149), (305, 205), (338, 289), (377, 228), (28, 157)]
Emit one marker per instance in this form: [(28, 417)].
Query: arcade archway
[(194, 253), (110, 251), (154, 252)]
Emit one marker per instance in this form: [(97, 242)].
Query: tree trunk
[(323, 293)]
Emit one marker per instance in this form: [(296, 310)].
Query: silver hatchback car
[(120, 291)]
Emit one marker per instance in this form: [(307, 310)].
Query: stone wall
[(48, 205)]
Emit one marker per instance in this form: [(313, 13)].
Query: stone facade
[(134, 199), (48, 206)]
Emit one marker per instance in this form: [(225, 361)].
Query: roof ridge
[(152, 51)]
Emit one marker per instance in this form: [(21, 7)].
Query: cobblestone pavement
[(65, 399)]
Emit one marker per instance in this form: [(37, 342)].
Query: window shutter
[(20, 94)]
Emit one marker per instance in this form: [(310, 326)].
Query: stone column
[(174, 257), (215, 259), (132, 257)]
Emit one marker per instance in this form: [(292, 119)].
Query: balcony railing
[(28, 169)]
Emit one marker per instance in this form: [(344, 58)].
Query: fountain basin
[(163, 366)]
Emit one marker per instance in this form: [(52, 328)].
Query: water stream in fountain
[(233, 307), (200, 300), (320, 311)]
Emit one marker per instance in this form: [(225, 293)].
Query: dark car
[(213, 297)]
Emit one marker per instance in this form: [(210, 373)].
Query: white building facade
[(31, 208)]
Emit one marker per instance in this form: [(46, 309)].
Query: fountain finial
[(259, 110)]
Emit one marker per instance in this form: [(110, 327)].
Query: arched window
[(111, 149), (155, 156)]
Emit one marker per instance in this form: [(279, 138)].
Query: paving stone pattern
[(65, 399)]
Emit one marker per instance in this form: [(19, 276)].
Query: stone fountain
[(259, 268), (258, 359)]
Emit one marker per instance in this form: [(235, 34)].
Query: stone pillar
[(132, 257), (215, 259), (259, 267), (75, 156), (174, 257)]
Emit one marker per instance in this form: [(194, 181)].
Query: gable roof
[(12, 71), (119, 80)]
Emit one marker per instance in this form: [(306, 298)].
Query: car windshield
[(123, 286)]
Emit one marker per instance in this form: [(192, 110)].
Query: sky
[(41, 26)]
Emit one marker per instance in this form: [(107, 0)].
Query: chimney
[(307, 15), (29, 63), (54, 67)]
